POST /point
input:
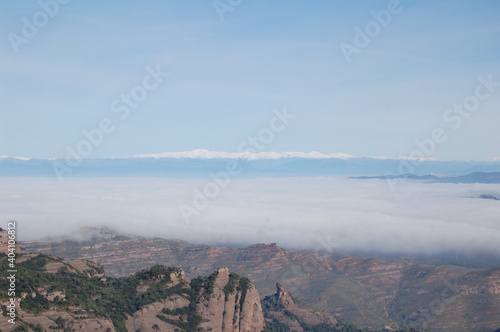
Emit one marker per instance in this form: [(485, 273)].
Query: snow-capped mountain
[(200, 163), (206, 154)]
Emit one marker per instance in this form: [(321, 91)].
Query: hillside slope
[(371, 293), (54, 294), (75, 295)]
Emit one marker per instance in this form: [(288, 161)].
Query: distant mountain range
[(371, 293), (199, 163), (476, 177), (485, 196)]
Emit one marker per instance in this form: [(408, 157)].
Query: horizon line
[(247, 155)]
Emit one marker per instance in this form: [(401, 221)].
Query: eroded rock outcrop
[(230, 303), (281, 308), (74, 295)]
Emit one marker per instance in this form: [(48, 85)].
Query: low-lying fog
[(298, 213)]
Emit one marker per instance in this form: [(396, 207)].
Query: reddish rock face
[(291, 315), (385, 292), (283, 296), (224, 300), (235, 308)]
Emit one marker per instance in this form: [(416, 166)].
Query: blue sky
[(226, 76)]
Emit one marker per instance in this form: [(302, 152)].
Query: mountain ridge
[(57, 294), (279, 165), (212, 154), (474, 177), (387, 293)]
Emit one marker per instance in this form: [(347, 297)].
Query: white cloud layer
[(294, 212)]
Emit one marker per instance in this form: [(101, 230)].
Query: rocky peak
[(222, 272), (283, 297), (229, 303), (282, 308), (178, 276)]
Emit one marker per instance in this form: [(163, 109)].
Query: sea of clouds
[(297, 213)]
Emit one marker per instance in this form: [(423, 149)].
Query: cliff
[(369, 293), (281, 310), (230, 303), (56, 294)]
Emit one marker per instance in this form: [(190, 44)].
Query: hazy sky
[(297, 213), (227, 75)]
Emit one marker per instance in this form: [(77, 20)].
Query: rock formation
[(75, 296), (280, 307), (231, 303)]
